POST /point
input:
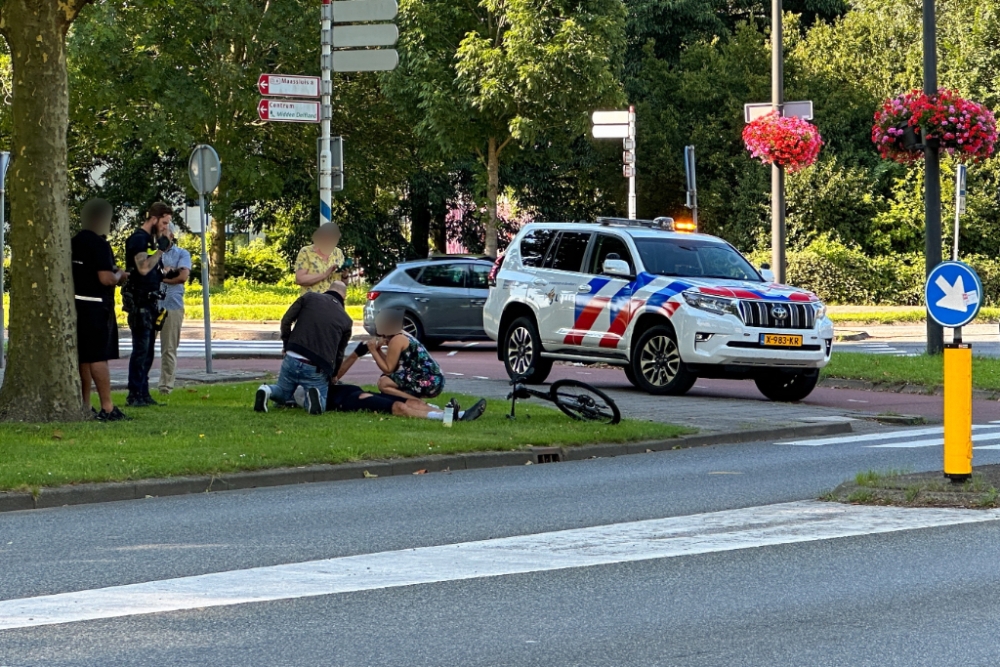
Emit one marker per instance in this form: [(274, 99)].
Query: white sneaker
[(263, 396)]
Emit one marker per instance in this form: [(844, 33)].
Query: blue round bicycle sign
[(953, 294)]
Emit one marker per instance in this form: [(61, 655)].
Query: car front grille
[(762, 314)]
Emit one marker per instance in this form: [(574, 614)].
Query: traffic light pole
[(777, 172), (932, 175), (326, 111)]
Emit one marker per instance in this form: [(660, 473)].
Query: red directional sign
[(289, 112), (283, 85)]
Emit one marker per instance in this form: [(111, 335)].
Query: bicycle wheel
[(584, 403)]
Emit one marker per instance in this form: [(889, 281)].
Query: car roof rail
[(446, 258), (663, 223)]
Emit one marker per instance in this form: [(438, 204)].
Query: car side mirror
[(616, 267)]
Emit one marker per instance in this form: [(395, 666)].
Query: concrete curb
[(901, 388), (81, 494)]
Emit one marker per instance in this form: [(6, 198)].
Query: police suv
[(668, 307)]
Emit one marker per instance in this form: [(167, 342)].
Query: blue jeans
[(295, 372), (143, 351)]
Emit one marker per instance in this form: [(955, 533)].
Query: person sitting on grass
[(351, 398), (409, 371)]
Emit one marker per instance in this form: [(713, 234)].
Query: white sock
[(439, 416)]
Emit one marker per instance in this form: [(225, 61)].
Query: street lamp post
[(777, 172), (932, 176)]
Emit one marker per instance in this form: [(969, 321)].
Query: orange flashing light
[(685, 226)]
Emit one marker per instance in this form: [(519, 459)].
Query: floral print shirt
[(313, 262)]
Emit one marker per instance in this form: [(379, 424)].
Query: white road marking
[(879, 436), (472, 344), (454, 373), (453, 353), (932, 442), (479, 377), (786, 523)]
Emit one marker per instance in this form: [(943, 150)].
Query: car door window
[(479, 276), (605, 245), (534, 245), (568, 256), (443, 275)]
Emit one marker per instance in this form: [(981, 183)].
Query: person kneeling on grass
[(408, 368), (314, 349), (351, 398)]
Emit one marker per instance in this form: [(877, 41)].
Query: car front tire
[(656, 364), (522, 352), (787, 387)]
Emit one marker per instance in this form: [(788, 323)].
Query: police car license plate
[(780, 340)]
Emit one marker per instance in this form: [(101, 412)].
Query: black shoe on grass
[(314, 402), (115, 415), (475, 412)]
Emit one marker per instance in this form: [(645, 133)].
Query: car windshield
[(694, 258)]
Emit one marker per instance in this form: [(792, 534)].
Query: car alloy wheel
[(411, 328), (520, 350), (659, 360)]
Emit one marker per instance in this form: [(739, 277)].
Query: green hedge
[(839, 274)]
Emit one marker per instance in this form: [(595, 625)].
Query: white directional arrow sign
[(955, 297), (288, 86), (288, 112)]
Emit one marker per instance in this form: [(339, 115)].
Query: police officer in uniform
[(95, 276), (141, 296)]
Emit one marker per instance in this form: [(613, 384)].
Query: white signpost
[(280, 85), (620, 125), (286, 111), (358, 58)]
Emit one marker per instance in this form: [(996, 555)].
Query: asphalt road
[(915, 597)]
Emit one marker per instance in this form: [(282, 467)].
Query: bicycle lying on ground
[(577, 399)]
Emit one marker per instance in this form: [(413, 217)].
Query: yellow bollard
[(958, 412)]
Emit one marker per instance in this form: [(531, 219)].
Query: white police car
[(668, 307)]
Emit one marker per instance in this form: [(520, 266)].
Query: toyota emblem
[(779, 312)]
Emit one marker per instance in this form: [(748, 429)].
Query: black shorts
[(96, 332), (347, 398)]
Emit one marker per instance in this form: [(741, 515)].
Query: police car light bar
[(663, 223)]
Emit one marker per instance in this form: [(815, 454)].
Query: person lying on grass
[(348, 399), (408, 370), (351, 398)]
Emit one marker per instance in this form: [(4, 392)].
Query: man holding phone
[(176, 271)]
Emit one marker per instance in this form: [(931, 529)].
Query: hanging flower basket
[(790, 142), (907, 123)]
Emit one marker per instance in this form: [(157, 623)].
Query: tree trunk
[(492, 193), (439, 234), (42, 380), (217, 265)]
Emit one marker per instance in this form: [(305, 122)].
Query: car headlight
[(820, 310), (714, 304)]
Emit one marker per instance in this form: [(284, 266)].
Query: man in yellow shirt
[(318, 266)]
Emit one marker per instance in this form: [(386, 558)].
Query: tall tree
[(41, 382), (479, 76), (185, 74)]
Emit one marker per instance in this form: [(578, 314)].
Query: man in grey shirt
[(176, 270)]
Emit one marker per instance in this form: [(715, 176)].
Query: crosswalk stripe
[(729, 530), (932, 442), (877, 436)]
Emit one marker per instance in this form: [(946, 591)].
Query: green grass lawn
[(845, 315), (922, 370), (213, 429), (240, 301)]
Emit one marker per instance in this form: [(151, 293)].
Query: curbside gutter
[(81, 494)]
